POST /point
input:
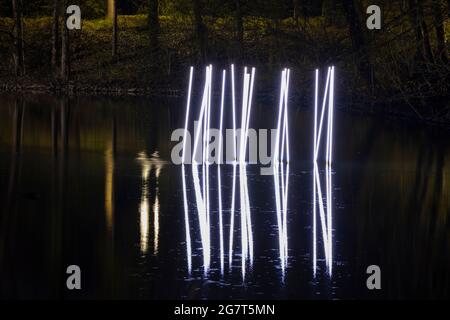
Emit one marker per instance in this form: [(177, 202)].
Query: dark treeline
[(403, 64)]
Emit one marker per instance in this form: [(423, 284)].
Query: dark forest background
[(146, 47)]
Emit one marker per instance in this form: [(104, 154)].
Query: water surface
[(89, 181)]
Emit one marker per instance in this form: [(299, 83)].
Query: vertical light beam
[(188, 104), (219, 183)]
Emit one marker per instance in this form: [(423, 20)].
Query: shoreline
[(88, 90), (74, 89)]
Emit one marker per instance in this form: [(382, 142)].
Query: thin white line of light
[(201, 116), (219, 183), (286, 182), (200, 204), (186, 222), (188, 104), (316, 88), (243, 115), (230, 257), (329, 161), (280, 107), (249, 107), (319, 134), (247, 200), (208, 136), (244, 233), (322, 213)]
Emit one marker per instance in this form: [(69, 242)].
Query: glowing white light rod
[(286, 182), (219, 184), (201, 116), (207, 153), (279, 179), (247, 200), (285, 138), (249, 107), (319, 134), (314, 176), (331, 107), (329, 160), (244, 115), (326, 222), (199, 194), (187, 113), (244, 233), (327, 178), (230, 256), (234, 112), (280, 108)]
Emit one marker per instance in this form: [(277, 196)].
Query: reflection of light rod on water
[(144, 209), (186, 222), (156, 214)]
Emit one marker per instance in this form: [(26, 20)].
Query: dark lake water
[(89, 181)]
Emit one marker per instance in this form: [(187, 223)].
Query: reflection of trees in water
[(403, 222), (8, 216), (142, 124)]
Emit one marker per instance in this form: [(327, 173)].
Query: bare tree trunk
[(110, 9), (440, 31), (358, 41), (422, 37), (239, 31), (426, 34), (55, 33), (65, 47), (114, 24), (200, 30), (153, 24), (296, 10), (19, 65)]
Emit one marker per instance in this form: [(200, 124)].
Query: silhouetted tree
[(239, 32), (200, 30), (440, 31), (19, 64), (153, 24), (112, 6), (296, 9), (358, 40), (424, 51), (55, 32), (65, 53)]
